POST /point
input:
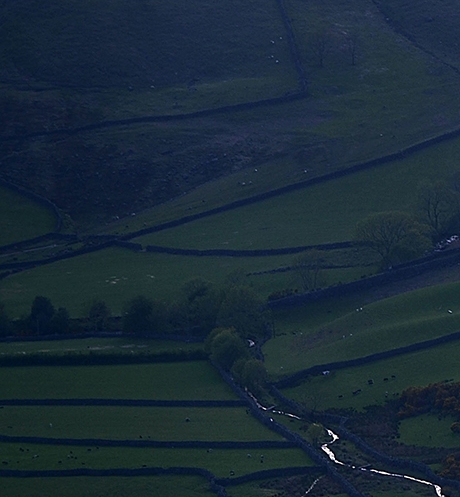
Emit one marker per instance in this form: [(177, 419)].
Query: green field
[(415, 369), (22, 218), (195, 380), (117, 275), (429, 431), (135, 423), (168, 486), (64, 65), (323, 337), (90, 346), (322, 213), (218, 461)]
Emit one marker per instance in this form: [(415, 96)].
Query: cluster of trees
[(200, 308), (45, 319), (436, 397), (451, 469), (230, 351), (398, 236)]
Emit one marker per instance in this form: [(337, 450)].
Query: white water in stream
[(325, 448)]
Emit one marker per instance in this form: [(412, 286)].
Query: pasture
[(116, 275), (428, 430), (322, 213), (219, 461), (196, 380), (433, 365), (218, 424), (319, 336), (22, 218), (168, 486), (103, 345)]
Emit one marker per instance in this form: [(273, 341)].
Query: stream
[(325, 448)]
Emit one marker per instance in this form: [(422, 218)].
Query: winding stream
[(325, 448)]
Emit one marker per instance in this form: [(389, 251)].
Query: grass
[(196, 380), (218, 461), (180, 58), (22, 218), (117, 275), (270, 488), (133, 423), (415, 369), (167, 486), (386, 324), (428, 430), (323, 213), (431, 26), (94, 345), (392, 97)]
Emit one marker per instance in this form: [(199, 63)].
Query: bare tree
[(321, 46), (308, 267), (438, 206), (351, 46), (394, 235)]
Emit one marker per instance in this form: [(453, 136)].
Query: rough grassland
[(22, 218), (91, 44), (394, 96), (432, 25)]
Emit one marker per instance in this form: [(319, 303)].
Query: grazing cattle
[(370, 382), (385, 379), (356, 392)]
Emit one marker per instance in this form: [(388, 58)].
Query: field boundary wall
[(295, 378), (438, 260), (122, 403), (318, 458), (343, 432), (245, 253)]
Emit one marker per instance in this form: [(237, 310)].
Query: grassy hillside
[(419, 368), (100, 43), (323, 213), (322, 336), (433, 26), (22, 218), (393, 96)]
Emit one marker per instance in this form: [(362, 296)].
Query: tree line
[(232, 320), (200, 307)]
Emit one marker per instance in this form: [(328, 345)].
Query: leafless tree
[(321, 45), (308, 268)]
